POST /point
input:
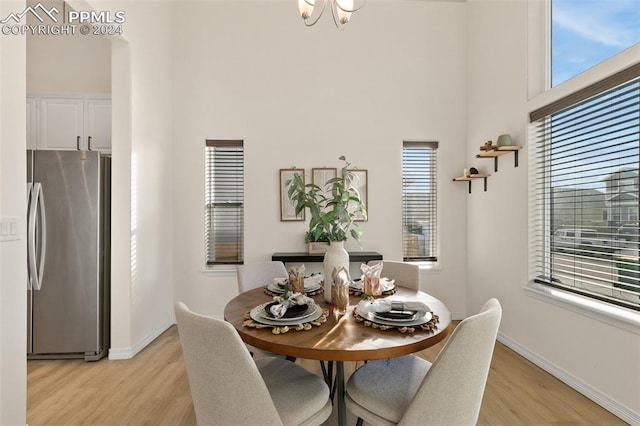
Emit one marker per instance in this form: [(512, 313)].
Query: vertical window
[(419, 201), (585, 196), (224, 202), (585, 33)]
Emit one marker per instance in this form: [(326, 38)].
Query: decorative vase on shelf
[(335, 257)]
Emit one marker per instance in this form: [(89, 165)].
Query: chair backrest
[(226, 386), (405, 274), (254, 275), (451, 392)]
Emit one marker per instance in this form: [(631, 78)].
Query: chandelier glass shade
[(341, 10)]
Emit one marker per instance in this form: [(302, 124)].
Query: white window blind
[(585, 197), (419, 201), (224, 202)]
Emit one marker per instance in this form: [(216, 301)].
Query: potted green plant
[(333, 210)]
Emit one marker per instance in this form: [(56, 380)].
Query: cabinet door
[(61, 123), (98, 132), (32, 123)]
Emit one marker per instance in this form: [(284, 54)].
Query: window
[(586, 164), (224, 202), (419, 207), (585, 33)]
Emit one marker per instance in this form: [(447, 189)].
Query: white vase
[(335, 257)]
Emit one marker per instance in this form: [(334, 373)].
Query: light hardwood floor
[(152, 389)]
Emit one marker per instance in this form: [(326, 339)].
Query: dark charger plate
[(292, 311)]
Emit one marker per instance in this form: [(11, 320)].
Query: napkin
[(385, 305), (278, 310), (371, 278), (296, 279), (340, 287)]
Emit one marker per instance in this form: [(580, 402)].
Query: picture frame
[(287, 208), (361, 184), (321, 175)]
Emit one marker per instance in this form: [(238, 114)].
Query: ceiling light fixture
[(341, 10)]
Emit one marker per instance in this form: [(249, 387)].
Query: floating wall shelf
[(498, 151), (472, 178)]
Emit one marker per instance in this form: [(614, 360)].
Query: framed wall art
[(361, 184), (321, 175), (287, 208)]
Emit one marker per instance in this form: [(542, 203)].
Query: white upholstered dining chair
[(405, 274), (410, 390), (229, 388), (254, 275)]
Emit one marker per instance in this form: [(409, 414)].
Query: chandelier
[(341, 11)]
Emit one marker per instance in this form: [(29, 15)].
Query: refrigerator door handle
[(30, 237), (42, 234), (35, 234)]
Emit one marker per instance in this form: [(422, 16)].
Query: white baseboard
[(596, 396), (128, 353)]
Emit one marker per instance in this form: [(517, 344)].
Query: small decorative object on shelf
[(488, 146), (504, 140)]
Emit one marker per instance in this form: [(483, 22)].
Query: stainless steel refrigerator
[(68, 254)]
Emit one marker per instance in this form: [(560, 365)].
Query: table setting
[(387, 314), (296, 282), (371, 283), (290, 311)]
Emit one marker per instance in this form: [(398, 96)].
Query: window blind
[(585, 199), (224, 202), (419, 201)]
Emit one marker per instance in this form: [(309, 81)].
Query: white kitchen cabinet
[(72, 122), (98, 124), (61, 123)]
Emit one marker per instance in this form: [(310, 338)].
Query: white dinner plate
[(258, 314)]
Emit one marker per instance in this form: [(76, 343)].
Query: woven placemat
[(281, 329), (430, 325), (307, 293)]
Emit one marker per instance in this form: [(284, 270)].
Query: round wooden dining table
[(341, 338)]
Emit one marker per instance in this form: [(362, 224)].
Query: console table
[(301, 257)]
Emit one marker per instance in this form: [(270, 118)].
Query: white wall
[(67, 64), (142, 251), (304, 96), (13, 262), (602, 359)]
